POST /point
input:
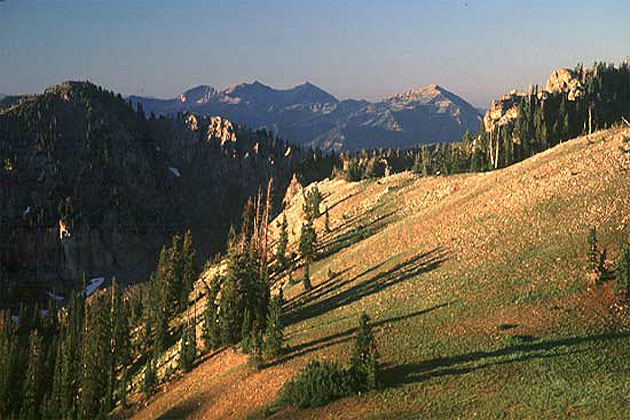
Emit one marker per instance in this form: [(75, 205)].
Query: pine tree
[(308, 238), (149, 378), (95, 360), (157, 315), (246, 332), (210, 333), (256, 349), (364, 361), (326, 221), (596, 263), (33, 392), (188, 268), (306, 277), (187, 348), (274, 329), (623, 270), (283, 241)]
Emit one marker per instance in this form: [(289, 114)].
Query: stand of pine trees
[(76, 361), (239, 306)]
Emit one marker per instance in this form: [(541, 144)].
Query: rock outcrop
[(504, 111)]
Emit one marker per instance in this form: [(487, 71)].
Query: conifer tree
[(274, 329), (326, 221), (32, 392), (256, 346), (149, 377), (246, 331), (95, 360), (283, 241), (308, 238), (364, 361), (210, 333), (188, 268), (623, 270)]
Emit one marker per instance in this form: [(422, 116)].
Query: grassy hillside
[(477, 285)]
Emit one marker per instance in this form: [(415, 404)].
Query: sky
[(478, 49)]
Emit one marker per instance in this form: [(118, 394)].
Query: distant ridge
[(311, 116)]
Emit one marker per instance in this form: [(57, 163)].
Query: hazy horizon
[(353, 49)]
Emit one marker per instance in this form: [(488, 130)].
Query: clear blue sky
[(355, 48)]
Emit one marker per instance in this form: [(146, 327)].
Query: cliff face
[(504, 111), (90, 186)]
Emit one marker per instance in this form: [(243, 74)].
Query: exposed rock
[(294, 189), (505, 110), (222, 130), (502, 111), (565, 80)]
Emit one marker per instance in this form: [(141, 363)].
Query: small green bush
[(317, 384)]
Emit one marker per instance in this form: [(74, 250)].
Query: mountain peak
[(198, 95)]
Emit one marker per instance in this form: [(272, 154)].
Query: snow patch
[(95, 283)]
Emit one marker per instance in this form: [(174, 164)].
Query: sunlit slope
[(476, 284)]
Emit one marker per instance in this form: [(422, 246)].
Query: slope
[(477, 286)]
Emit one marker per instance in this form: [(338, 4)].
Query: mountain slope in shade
[(311, 116)]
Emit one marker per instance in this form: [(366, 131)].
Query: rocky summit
[(311, 116)]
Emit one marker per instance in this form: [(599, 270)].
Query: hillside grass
[(477, 287)]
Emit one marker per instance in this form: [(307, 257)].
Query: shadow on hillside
[(455, 365), (181, 411), (414, 266), (363, 229), (354, 230), (343, 336)]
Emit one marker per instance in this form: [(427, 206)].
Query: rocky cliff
[(504, 111)]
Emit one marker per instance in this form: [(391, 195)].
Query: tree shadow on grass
[(363, 230), (456, 365), (412, 267), (181, 411), (344, 336)]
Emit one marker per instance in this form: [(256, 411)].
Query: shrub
[(317, 384)]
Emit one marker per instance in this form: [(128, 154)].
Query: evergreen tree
[(274, 329), (256, 346), (32, 392), (95, 360), (149, 378), (187, 348), (308, 238), (210, 333), (326, 221), (246, 331), (283, 241), (623, 270), (188, 268), (364, 361)]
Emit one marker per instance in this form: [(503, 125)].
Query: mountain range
[(308, 115)]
